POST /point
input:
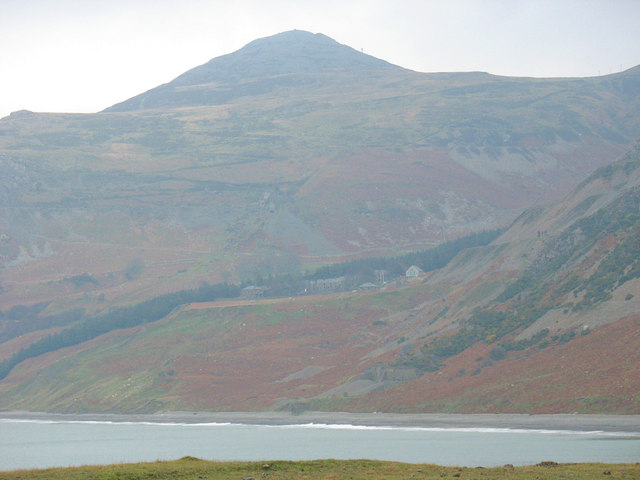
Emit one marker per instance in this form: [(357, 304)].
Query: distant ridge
[(256, 68)]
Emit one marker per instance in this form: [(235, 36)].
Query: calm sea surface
[(38, 444)]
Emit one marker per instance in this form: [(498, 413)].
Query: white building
[(414, 271)]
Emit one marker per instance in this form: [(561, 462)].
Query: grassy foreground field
[(193, 468)]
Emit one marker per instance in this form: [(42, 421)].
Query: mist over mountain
[(297, 152)]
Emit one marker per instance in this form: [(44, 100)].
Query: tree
[(134, 268)]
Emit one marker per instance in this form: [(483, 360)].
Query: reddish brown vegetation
[(593, 373)]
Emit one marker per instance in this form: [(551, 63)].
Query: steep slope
[(293, 151), (545, 319), (563, 333)]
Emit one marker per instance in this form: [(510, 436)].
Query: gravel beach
[(572, 422)]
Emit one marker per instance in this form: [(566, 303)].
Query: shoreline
[(567, 422)]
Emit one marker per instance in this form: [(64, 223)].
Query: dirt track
[(266, 301)]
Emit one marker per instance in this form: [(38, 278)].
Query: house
[(414, 271), (326, 285), (252, 292)]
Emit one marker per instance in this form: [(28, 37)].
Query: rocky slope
[(295, 150), (544, 319)]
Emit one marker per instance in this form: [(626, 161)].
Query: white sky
[(85, 55)]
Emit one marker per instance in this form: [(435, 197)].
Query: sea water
[(40, 444)]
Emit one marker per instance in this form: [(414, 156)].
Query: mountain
[(543, 320), (287, 60), (291, 154)]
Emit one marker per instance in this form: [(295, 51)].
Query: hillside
[(544, 319), (562, 333), (293, 151), (127, 235)]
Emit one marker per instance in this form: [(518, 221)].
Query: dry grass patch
[(192, 468)]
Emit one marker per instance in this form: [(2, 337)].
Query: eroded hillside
[(544, 319)]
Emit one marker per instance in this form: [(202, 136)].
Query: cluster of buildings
[(337, 284)]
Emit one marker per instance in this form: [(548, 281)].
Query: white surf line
[(328, 426)]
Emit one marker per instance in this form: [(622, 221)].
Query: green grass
[(192, 468)]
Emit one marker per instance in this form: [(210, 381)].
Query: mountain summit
[(289, 59), (286, 53)]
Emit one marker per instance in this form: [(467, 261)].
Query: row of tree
[(364, 270), (118, 318)]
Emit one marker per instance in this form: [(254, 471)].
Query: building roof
[(414, 269)]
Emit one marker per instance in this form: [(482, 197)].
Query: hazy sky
[(85, 55)]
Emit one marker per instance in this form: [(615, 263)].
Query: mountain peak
[(298, 36), (295, 52)]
